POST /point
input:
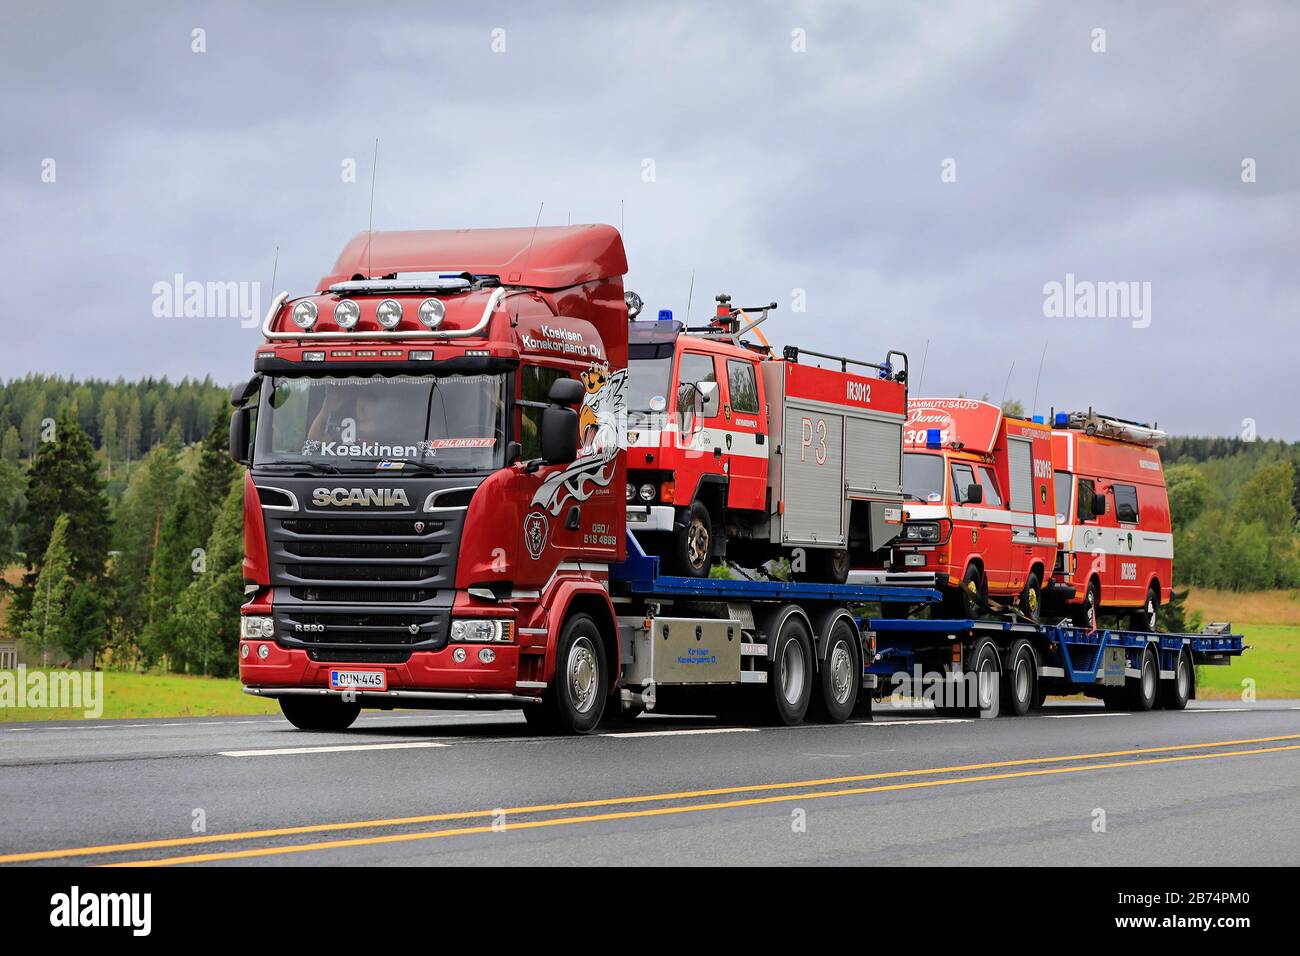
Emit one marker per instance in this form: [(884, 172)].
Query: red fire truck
[(980, 507), (1116, 543), (737, 451)]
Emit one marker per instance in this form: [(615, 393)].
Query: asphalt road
[(1216, 784)]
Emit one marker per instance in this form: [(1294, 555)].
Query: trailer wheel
[(1031, 598), (693, 544), (789, 685), (839, 677), (1141, 691), (1020, 689), (1174, 694), (1085, 614), (319, 713), (575, 701), (1144, 619), (986, 666)]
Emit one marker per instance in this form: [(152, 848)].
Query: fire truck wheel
[(1174, 694), (1144, 619), (1020, 688), (826, 566), (1031, 598), (839, 677), (789, 683), (961, 602), (1141, 691), (693, 544), (1085, 614), (319, 713)]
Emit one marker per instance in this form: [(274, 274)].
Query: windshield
[(1064, 485), (447, 422), (923, 476), (647, 384)]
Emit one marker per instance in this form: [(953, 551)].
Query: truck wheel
[(1085, 614), (1174, 694), (1141, 691), (1031, 598), (575, 701), (693, 544), (826, 566), (319, 713), (840, 676), (789, 684), (1020, 689), (1145, 619), (962, 603), (987, 670)]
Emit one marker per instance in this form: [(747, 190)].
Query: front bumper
[(918, 579), (431, 699), (650, 517)]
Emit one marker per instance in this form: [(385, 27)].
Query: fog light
[(263, 651), (647, 492), (432, 312), (243, 651), (346, 314), (458, 655), (631, 491), (389, 313), (304, 314), (487, 655)]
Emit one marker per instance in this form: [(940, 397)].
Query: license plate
[(914, 560), (358, 680)]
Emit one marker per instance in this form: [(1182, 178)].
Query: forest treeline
[(122, 514)]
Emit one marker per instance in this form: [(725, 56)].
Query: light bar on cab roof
[(439, 284), (477, 329)]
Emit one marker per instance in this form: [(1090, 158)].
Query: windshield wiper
[(400, 464), (311, 467)]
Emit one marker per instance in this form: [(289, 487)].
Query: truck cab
[(979, 504)]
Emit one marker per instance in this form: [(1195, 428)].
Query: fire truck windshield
[(449, 423), (923, 476), (647, 383)]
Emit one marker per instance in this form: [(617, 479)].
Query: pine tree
[(208, 612), (139, 518), (11, 446), (215, 471)]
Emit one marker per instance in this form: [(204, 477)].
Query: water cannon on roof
[(1106, 426)]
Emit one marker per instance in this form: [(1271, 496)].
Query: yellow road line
[(666, 811), (71, 852)]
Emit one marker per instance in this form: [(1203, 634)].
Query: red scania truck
[(435, 515), (736, 451)]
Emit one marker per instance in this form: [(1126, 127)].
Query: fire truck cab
[(735, 451), (1113, 528), (980, 507)]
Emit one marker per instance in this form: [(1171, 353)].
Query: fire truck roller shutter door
[(813, 453), (1021, 469), (873, 456)]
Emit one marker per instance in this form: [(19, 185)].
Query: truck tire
[(1030, 603), (826, 566), (961, 603), (1020, 689), (986, 665), (1140, 692), (790, 680), (575, 701), (1144, 619), (839, 678), (693, 544), (1174, 694), (319, 712), (1085, 614)]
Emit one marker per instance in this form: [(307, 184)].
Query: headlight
[(346, 314), (647, 492), (432, 312), (304, 314), (256, 628), (631, 491), (480, 631), (389, 313), (926, 532)]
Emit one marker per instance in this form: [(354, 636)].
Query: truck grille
[(354, 629), (358, 657)]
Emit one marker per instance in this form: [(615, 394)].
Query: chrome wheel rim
[(1148, 679), (583, 671), (987, 683), (1022, 679), (841, 670), (1184, 678), (793, 671)]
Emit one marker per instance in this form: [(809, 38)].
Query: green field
[(157, 695), (1270, 622)]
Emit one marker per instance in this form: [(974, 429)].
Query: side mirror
[(239, 433), (708, 399), (240, 393), (974, 494), (565, 391), (559, 433)]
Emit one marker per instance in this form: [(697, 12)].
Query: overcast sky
[(920, 171)]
